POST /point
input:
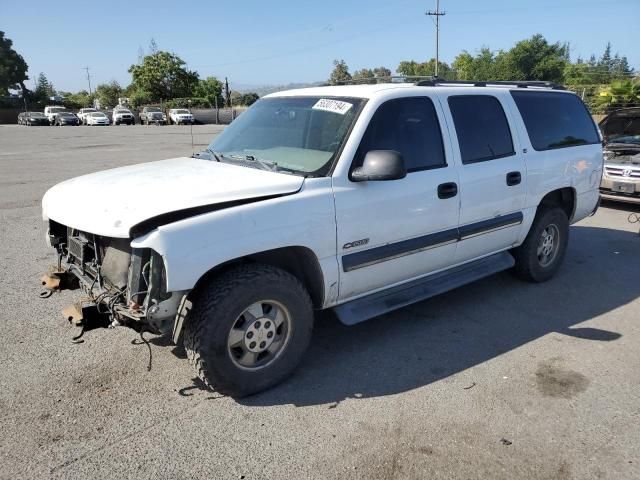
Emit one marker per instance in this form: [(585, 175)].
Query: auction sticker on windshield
[(335, 106)]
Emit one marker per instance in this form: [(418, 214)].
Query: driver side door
[(389, 232)]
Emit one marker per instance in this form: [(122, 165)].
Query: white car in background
[(52, 111), (180, 115), (97, 118), (83, 112)]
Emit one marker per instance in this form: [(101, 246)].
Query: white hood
[(109, 203)]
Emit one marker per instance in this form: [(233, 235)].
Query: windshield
[(36, 114), (182, 111), (88, 110), (123, 111), (153, 109), (98, 114), (66, 114), (57, 109), (299, 134)]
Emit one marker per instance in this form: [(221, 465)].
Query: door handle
[(514, 178), (447, 190)]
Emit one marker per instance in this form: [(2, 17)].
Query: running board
[(379, 303)]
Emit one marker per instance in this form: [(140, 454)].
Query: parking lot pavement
[(499, 379)]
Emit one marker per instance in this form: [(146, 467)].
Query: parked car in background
[(621, 134), (51, 111), (122, 115), (97, 118), (66, 118), (83, 112), (32, 118), (180, 116), (152, 115)]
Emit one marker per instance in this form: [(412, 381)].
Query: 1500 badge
[(356, 243)]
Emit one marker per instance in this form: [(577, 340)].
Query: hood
[(111, 202), (622, 126)]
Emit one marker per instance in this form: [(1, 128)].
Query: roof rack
[(433, 82)]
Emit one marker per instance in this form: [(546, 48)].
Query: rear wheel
[(542, 252), (248, 329)]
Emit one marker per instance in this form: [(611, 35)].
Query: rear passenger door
[(492, 173)]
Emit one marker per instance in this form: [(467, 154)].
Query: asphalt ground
[(500, 379)]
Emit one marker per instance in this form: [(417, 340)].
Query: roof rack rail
[(471, 83)]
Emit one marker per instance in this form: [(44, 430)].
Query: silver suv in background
[(621, 178), (152, 115)]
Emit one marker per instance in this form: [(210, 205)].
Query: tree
[(364, 75), (482, 67), (79, 99), (411, 68), (13, 68), (164, 76), (108, 93), (340, 74), (382, 74), (620, 94), (210, 89), (249, 99), (44, 89), (533, 59)]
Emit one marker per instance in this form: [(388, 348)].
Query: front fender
[(193, 246)]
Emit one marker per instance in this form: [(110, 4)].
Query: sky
[(256, 43)]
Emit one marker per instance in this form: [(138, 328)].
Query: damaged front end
[(121, 285)]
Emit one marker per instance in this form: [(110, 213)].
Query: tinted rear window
[(555, 120), (482, 128)]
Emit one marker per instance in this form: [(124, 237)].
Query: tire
[(532, 262), (224, 306)]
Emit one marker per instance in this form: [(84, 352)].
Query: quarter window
[(409, 126), (482, 128), (555, 120)]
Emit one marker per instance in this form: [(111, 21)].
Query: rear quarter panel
[(578, 167)]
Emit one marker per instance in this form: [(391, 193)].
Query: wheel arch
[(564, 198), (301, 262)]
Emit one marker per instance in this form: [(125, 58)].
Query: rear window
[(555, 120), (482, 128)]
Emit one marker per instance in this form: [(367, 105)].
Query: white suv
[(361, 199), (180, 116), (122, 115)]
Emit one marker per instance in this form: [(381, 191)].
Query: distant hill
[(263, 90)]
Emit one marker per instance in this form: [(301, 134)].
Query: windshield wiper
[(215, 155)]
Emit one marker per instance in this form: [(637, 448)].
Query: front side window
[(482, 128), (410, 127), (301, 135), (555, 119)]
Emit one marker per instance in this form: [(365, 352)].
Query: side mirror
[(380, 165)]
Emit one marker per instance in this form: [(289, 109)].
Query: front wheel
[(248, 329), (542, 252)]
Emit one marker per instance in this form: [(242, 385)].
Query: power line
[(437, 13)]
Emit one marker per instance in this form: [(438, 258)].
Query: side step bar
[(391, 299)]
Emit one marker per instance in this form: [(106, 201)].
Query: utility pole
[(227, 94), (437, 13), (88, 78)]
